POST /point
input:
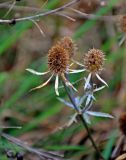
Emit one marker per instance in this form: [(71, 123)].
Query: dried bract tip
[(58, 59), (121, 157), (94, 60), (123, 23), (68, 44), (122, 123)]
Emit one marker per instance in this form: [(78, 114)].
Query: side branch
[(43, 154), (9, 21)]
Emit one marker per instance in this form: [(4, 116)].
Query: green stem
[(83, 121)]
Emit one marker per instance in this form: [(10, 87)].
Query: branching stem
[(83, 120), (36, 16)]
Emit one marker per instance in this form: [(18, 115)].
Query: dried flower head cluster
[(58, 59), (123, 23), (122, 123), (94, 60), (58, 63), (68, 44)]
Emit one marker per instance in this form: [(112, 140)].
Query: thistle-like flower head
[(94, 60), (68, 44), (58, 64), (58, 59)]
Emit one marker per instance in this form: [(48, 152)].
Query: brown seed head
[(94, 60), (58, 59), (122, 123), (68, 44), (123, 23)]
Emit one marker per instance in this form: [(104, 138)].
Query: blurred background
[(39, 112)]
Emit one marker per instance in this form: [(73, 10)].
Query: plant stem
[(83, 121), (36, 16)]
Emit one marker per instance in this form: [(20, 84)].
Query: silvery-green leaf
[(56, 85), (87, 118), (101, 80), (89, 86), (99, 114), (88, 107), (93, 98), (82, 100), (35, 72), (98, 89), (77, 100), (87, 81), (76, 71), (65, 102), (89, 98)]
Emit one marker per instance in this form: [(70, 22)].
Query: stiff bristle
[(94, 60), (58, 59), (122, 123), (68, 44)]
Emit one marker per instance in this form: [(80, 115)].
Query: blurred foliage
[(39, 112)]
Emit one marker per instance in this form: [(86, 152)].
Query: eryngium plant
[(59, 65)]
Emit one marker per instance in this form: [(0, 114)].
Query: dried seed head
[(68, 44), (58, 59), (122, 123), (94, 60), (123, 23)]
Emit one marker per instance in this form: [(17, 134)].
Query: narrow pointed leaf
[(43, 84), (69, 84), (98, 89), (93, 97), (87, 118), (101, 80), (87, 107), (82, 99), (56, 85), (99, 114), (65, 102), (76, 71), (87, 81), (35, 72), (77, 100), (88, 100)]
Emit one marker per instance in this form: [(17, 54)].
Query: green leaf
[(109, 145)]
